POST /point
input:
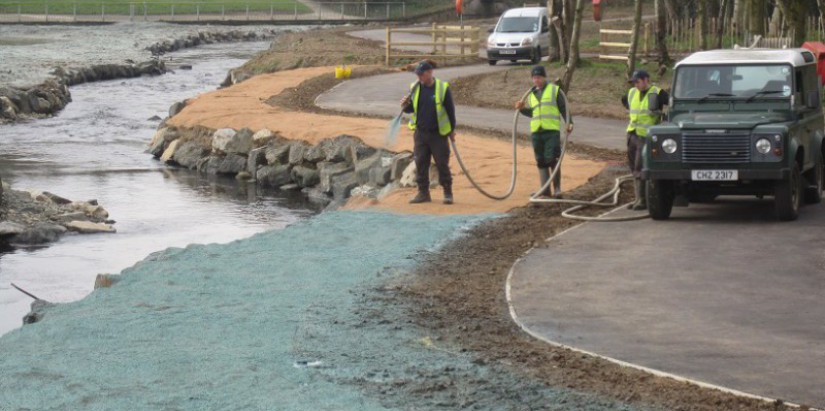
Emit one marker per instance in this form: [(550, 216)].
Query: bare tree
[(567, 77), (554, 52), (702, 15), (794, 12), (634, 38), (661, 33), (722, 21), (757, 12)]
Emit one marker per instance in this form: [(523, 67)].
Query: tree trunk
[(738, 16), (702, 16), (661, 33), (567, 77), (554, 53), (775, 29), (757, 12), (634, 38), (722, 22), (795, 13), (820, 5), (567, 18)]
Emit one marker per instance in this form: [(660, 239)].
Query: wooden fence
[(683, 36), (442, 42)]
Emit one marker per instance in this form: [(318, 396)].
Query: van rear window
[(518, 25)]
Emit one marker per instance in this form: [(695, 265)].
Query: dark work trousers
[(431, 144), (635, 144), (547, 148)]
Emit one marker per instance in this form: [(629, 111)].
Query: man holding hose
[(433, 121), (546, 111)]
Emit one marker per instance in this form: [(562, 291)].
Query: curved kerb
[(653, 371)]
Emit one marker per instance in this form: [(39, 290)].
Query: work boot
[(556, 189), (640, 203), (544, 176), (448, 195), (421, 197)]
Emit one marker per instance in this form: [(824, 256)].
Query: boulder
[(227, 140), (297, 150), (316, 196), (169, 153), (359, 151), (66, 217), (342, 185), (189, 154), (274, 176), (379, 176), (230, 164), (10, 228), (105, 280), (262, 137), (161, 140), (339, 148), (315, 154), (277, 152), (56, 199), (176, 108), (91, 210), (88, 227), (408, 176), (243, 176), (7, 108), (39, 234), (328, 170), (400, 162), (363, 167), (257, 157), (289, 187), (305, 176), (365, 190)]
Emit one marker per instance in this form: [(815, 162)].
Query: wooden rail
[(444, 42), (614, 39)]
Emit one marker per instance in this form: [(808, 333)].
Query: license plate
[(714, 175), (507, 52)]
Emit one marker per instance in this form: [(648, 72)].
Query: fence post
[(342, 11), (172, 12), (476, 39), (388, 11), (435, 39), (247, 12), (102, 11), (223, 12), (19, 13), (404, 10), (647, 39), (389, 38), (74, 11), (295, 4), (365, 10), (462, 37), (198, 11), (271, 11), (47, 12), (131, 12), (145, 12)]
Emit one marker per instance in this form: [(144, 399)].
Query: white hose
[(578, 204)]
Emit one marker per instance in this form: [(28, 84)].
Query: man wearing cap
[(433, 120), (546, 111), (645, 103)]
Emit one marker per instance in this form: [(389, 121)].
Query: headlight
[(669, 146), (526, 41), (763, 146), (491, 43)]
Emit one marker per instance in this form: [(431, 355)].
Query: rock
[(379, 176), (262, 137), (65, 218), (386, 190), (408, 176), (154, 118), (38, 311), (400, 162), (161, 139), (56, 199), (243, 176), (227, 140), (315, 154), (363, 167), (316, 196), (91, 210), (230, 164), (257, 157), (359, 151), (342, 184), (274, 176), (169, 153), (297, 150), (305, 176), (7, 108), (176, 108), (40, 233), (277, 152), (365, 191), (10, 228), (88, 227), (329, 170), (289, 187), (105, 280), (189, 154), (339, 148)]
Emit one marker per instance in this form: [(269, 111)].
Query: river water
[(94, 149)]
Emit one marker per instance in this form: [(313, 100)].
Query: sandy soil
[(244, 105)]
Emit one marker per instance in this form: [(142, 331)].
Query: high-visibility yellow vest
[(546, 115), (641, 117), (444, 126)]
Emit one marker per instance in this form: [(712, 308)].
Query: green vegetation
[(152, 7)]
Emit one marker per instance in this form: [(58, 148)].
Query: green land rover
[(741, 122)]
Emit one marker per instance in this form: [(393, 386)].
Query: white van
[(520, 34)]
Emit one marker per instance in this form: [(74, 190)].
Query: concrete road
[(380, 95), (721, 293)]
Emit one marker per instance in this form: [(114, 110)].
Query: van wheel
[(788, 196), (537, 55), (492, 62), (660, 196), (813, 192)]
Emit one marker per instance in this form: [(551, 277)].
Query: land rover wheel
[(788, 196), (813, 192), (536, 55), (492, 62), (660, 195)]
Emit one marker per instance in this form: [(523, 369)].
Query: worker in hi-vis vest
[(433, 122), (546, 109), (645, 103)]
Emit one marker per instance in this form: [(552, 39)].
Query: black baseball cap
[(422, 67), (638, 75), (538, 71)]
